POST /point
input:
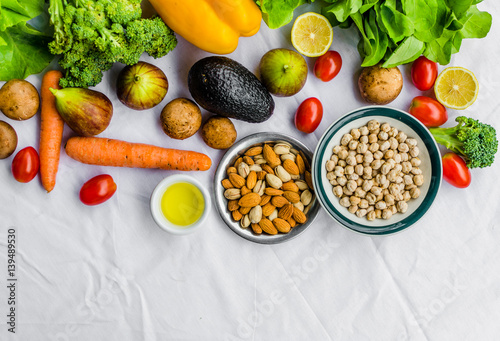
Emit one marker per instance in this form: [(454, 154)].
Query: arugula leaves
[(23, 49), (396, 32)]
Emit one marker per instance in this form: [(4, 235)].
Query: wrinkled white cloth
[(109, 273)]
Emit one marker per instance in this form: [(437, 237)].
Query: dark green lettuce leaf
[(24, 52)]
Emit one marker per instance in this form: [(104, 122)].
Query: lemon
[(456, 88), (312, 34)]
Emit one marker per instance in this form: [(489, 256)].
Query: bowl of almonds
[(376, 170), (263, 188)]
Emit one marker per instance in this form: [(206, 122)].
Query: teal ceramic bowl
[(431, 167)]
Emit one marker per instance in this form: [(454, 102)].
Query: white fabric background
[(109, 273)]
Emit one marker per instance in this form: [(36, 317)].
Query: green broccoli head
[(475, 141), (91, 35), (152, 36)]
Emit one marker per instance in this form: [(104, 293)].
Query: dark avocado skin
[(225, 87)]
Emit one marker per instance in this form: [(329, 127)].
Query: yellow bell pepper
[(212, 25)]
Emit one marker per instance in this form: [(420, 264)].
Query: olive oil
[(182, 204)]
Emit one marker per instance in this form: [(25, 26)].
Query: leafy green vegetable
[(23, 49), (394, 32), (278, 13), (24, 53), (92, 35), (475, 141)]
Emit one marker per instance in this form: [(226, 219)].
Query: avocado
[(225, 87)]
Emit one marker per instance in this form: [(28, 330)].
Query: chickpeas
[(374, 171)]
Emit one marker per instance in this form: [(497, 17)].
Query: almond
[(292, 222), (227, 184), (251, 179), (279, 201), (286, 211), (281, 225), (254, 151), (290, 186), (267, 169), (261, 175), (249, 200), (237, 162), (237, 215), (248, 160), (270, 156), (232, 205), (273, 191), (231, 170), (293, 197), (291, 167), (237, 180), (299, 216), (244, 210), (245, 190), (264, 199), (300, 164), (308, 179), (267, 209), (256, 228), (267, 226)]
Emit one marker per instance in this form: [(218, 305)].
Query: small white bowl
[(159, 217)]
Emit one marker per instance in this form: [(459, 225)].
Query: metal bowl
[(221, 202)]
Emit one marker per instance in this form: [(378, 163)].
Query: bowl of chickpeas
[(376, 170)]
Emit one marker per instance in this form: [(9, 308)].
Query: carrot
[(117, 153), (51, 131)]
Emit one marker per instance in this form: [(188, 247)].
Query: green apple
[(283, 72)]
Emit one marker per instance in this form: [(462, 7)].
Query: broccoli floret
[(91, 35), (156, 38), (475, 141), (122, 12)]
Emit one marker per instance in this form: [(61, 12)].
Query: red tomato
[(455, 170), (428, 111), (25, 165), (328, 66), (309, 114), (424, 73), (97, 190)]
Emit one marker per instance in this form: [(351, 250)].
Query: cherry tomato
[(97, 190), (25, 165), (428, 111), (424, 73), (308, 116), (328, 66), (455, 170)]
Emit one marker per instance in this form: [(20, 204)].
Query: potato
[(8, 140), (218, 132), (379, 85), (19, 99), (181, 118)]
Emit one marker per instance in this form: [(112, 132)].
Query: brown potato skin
[(218, 132), (19, 99), (380, 85), (181, 118), (8, 140)]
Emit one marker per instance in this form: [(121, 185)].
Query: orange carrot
[(51, 131), (108, 152)]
